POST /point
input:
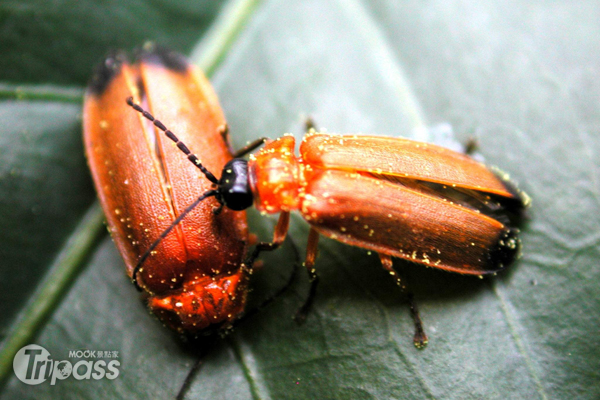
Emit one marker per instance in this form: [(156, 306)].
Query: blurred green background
[(523, 77)]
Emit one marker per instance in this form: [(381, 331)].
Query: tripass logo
[(33, 365)]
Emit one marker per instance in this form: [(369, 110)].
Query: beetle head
[(233, 188)]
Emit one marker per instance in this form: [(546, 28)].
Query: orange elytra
[(194, 276), (397, 197), (400, 198)]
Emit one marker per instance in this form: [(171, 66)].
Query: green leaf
[(60, 42), (521, 77)]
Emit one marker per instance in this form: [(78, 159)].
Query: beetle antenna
[(138, 267), (180, 145)]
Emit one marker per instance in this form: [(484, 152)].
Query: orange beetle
[(194, 277), (397, 197)]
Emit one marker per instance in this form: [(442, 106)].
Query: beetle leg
[(471, 146), (387, 264), (224, 132), (309, 264), (200, 348), (249, 313), (250, 147), (309, 124), (420, 338), (279, 234)]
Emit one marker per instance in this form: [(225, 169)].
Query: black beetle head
[(234, 187)]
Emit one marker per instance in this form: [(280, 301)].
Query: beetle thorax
[(274, 176)]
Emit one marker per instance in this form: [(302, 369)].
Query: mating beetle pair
[(183, 233)]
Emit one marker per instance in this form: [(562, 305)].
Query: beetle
[(394, 196), (397, 197), (194, 278)]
